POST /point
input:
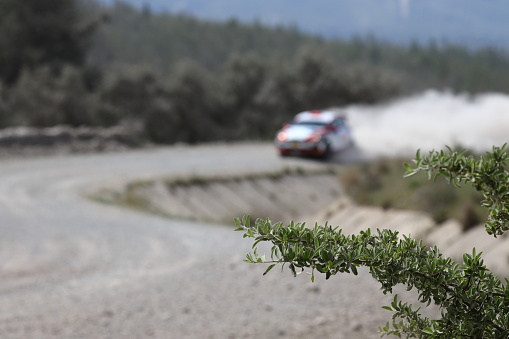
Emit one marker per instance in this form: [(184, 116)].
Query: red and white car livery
[(314, 133)]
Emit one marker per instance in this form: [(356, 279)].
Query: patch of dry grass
[(382, 184)]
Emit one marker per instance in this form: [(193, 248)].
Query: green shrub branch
[(488, 175), (474, 303)]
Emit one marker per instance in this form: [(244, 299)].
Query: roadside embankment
[(302, 196), (283, 196)]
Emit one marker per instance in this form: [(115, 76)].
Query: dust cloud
[(429, 121)]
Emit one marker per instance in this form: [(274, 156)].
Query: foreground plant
[(474, 302), (488, 175)]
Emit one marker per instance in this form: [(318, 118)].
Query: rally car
[(314, 133)]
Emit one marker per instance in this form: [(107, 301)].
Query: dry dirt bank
[(280, 196), (303, 197)]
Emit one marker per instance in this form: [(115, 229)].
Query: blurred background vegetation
[(77, 62), (183, 79), (380, 183)]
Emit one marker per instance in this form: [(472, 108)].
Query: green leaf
[(428, 330), (292, 268), (269, 268)]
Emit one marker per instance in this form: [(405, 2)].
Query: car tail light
[(282, 136)]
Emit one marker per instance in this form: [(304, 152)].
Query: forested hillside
[(160, 40), (192, 80)]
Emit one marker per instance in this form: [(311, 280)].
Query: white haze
[(429, 121)]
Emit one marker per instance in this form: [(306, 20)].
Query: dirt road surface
[(73, 268)]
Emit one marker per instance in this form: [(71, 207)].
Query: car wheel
[(327, 150)]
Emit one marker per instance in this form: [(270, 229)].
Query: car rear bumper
[(302, 148)]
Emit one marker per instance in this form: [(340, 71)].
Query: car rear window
[(312, 123)]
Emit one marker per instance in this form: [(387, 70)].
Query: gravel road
[(73, 268)]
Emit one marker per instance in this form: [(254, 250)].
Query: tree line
[(188, 80)]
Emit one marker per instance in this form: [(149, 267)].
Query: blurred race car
[(314, 133)]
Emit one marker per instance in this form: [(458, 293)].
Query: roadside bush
[(278, 99), (367, 84), (192, 93), (4, 116), (318, 82), (469, 217), (161, 123), (130, 90), (35, 99), (474, 302), (76, 105), (45, 98), (380, 184)]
